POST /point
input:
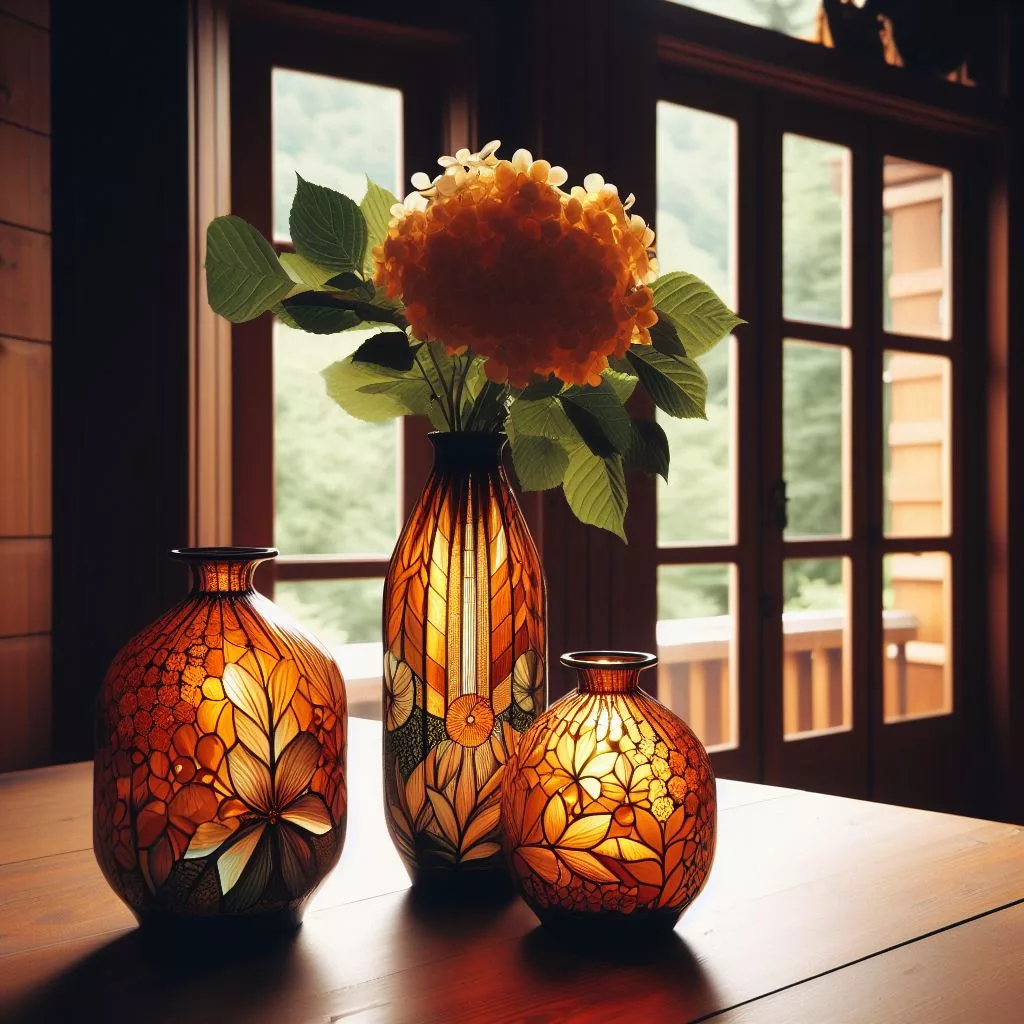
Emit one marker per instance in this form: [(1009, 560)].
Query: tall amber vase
[(464, 663), (609, 806), (220, 757)]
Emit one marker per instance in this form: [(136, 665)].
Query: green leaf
[(541, 389), (596, 489), (665, 338), (648, 448), (540, 463), (327, 227), (376, 208), (305, 272), (542, 418), (599, 418), (349, 282), (243, 275), (390, 349), (622, 381), (318, 313), (698, 314), (678, 386), (285, 317), (375, 393)]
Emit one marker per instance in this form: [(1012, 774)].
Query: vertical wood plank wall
[(25, 336)]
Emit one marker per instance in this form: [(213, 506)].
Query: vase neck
[(223, 570), (609, 671), (464, 451)]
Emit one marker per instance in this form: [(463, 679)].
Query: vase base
[(598, 929), (239, 930), (432, 885)]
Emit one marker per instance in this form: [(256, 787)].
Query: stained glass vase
[(464, 664), (609, 806), (220, 757)]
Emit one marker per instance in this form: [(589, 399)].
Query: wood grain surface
[(818, 909)]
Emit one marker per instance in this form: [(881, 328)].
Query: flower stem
[(430, 387)]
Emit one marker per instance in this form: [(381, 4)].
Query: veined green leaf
[(243, 275), (374, 393), (542, 418), (698, 314), (599, 417), (319, 313), (541, 389), (285, 317), (622, 381), (648, 448), (305, 272), (540, 463), (376, 207), (327, 227), (389, 348), (677, 385), (596, 489), (665, 337)]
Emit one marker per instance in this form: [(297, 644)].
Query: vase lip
[(634, 660), (223, 554)]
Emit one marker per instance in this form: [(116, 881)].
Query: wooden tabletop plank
[(973, 974), (802, 884)]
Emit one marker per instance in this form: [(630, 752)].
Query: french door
[(809, 547)]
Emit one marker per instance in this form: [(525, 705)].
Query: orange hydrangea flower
[(494, 257)]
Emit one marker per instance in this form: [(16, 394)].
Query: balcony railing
[(695, 678)]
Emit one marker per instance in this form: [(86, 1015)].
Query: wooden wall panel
[(24, 177), (25, 73), (25, 682), (25, 585), (37, 12), (24, 438), (24, 283)]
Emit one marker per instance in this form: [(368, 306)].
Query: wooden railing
[(695, 678)]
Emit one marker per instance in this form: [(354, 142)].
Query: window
[(329, 491)]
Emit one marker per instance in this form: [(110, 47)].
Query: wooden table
[(818, 909)]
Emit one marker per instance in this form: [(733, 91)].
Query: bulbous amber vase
[(220, 756), (609, 807), (464, 665)]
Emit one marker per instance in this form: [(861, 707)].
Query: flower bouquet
[(505, 304), (508, 308)]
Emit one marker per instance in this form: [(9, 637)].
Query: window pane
[(814, 437), (793, 17), (696, 644), (815, 230), (916, 259), (335, 133), (815, 670), (696, 224), (336, 477), (916, 420), (346, 616), (916, 619)]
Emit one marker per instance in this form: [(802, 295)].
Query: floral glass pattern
[(464, 662), (609, 807), (220, 760)]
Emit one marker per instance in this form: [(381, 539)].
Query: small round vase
[(608, 807), (220, 757)]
